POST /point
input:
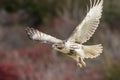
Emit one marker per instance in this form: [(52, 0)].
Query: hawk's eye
[(59, 45)]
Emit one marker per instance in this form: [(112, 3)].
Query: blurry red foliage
[(8, 72), (39, 62)]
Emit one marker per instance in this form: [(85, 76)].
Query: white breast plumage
[(80, 52)]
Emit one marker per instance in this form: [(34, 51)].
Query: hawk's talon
[(82, 62), (80, 65)]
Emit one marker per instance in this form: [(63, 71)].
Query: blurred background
[(24, 59)]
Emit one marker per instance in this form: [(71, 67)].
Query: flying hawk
[(73, 46)]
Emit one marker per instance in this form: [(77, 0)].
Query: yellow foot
[(80, 65), (84, 64)]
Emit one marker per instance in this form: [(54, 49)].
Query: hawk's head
[(59, 46)]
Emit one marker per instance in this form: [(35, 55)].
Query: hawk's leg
[(82, 62), (73, 52), (78, 62)]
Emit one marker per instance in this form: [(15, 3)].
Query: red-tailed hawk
[(73, 45)]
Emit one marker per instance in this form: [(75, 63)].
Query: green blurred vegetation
[(44, 10), (41, 9), (38, 8)]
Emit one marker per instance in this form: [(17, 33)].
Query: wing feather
[(37, 35), (86, 29)]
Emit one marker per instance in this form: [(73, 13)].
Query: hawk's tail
[(93, 50)]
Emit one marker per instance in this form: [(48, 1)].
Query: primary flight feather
[(86, 29), (73, 46)]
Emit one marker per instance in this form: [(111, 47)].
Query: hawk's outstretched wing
[(86, 29), (37, 35)]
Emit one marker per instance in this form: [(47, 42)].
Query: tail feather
[(93, 51)]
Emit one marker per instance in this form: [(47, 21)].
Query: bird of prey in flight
[(73, 46)]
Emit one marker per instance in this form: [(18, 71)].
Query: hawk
[(73, 46)]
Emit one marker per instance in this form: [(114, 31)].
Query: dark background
[(24, 59)]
